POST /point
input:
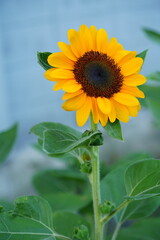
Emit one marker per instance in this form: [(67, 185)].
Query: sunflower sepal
[(114, 129), (42, 60), (142, 54)]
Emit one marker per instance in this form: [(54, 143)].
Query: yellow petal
[(83, 113), (66, 49), (134, 80), (48, 74), (133, 111), (104, 104), (59, 85), (63, 74), (71, 86), (112, 114), (69, 95), (127, 57), (113, 47), (74, 39), (121, 112), (120, 54), (125, 99), (95, 111), (60, 60), (132, 66), (133, 91), (102, 40), (86, 39), (74, 103), (93, 31), (103, 118)]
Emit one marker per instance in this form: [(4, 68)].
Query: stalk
[(95, 182)]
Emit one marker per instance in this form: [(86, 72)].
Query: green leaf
[(7, 140), (142, 54), (153, 35), (109, 185), (31, 220), (141, 209), (115, 180), (65, 223), (57, 181), (42, 60), (67, 201), (114, 129), (145, 229), (154, 76), (40, 128), (60, 142), (142, 179)]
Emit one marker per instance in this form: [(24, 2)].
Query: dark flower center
[(98, 74)]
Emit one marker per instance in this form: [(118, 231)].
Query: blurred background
[(26, 96)]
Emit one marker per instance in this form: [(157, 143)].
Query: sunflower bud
[(107, 207), (86, 167), (81, 233)]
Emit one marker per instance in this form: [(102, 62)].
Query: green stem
[(95, 182), (116, 231)]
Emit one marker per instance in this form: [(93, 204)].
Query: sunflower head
[(97, 75)]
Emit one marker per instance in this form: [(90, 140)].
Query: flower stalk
[(95, 182)]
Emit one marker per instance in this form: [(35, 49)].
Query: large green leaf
[(58, 139), (57, 181), (147, 229), (57, 142), (31, 219), (142, 179), (42, 60), (40, 128), (153, 35), (7, 140), (113, 189), (140, 209), (65, 223), (114, 129), (67, 201)]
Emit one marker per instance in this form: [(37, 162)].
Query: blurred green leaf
[(31, 219), (65, 223), (145, 229), (42, 60), (67, 201), (154, 76), (151, 92), (153, 35), (7, 140), (57, 181), (142, 54), (114, 129), (142, 179)]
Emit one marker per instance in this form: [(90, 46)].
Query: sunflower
[(97, 75)]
